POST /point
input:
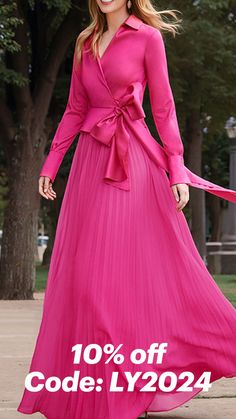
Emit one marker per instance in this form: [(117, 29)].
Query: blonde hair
[(143, 9)]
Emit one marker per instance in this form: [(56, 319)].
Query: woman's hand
[(45, 188), (181, 194)]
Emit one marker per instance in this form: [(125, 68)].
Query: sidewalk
[(19, 324)]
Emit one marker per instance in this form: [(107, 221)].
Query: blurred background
[(37, 40)]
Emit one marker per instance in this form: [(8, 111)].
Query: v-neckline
[(112, 39)]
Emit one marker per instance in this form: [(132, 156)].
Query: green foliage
[(49, 15), (216, 158), (206, 6), (202, 71), (202, 59), (8, 23), (11, 77), (62, 6)]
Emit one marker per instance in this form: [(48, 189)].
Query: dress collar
[(133, 21)]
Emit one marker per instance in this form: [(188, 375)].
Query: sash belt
[(107, 125), (110, 129)]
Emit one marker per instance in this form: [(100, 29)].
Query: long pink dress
[(124, 267)]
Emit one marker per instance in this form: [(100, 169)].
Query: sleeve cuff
[(177, 172), (51, 164)]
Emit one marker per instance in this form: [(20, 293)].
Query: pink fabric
[(124, 267), (103, 100)]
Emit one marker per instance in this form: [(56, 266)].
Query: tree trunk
[(197, 196), (25, 112), (17, 266), (216, 217)]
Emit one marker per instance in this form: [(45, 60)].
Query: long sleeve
[(163, 106), (69, 125)]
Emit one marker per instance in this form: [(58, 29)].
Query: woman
[(125, 273)]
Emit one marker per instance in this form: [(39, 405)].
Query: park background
[(36, 45), (37, 40)]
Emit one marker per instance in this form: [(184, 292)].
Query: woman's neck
[(115, 19)]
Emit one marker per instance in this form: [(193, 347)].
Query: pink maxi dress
[(124, 267)]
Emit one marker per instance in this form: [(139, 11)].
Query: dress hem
[(32, 411)]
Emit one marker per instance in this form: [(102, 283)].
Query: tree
[(44, 31), (202, 69), (216, 166)]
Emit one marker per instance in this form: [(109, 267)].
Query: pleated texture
[(125, 270)]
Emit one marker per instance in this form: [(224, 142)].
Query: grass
[(227, 283), (41, 277)]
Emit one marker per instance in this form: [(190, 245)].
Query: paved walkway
[(19, 323)]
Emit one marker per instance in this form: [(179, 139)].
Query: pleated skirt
[(125, 270)]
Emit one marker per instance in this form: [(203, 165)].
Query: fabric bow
[(111, 131)]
